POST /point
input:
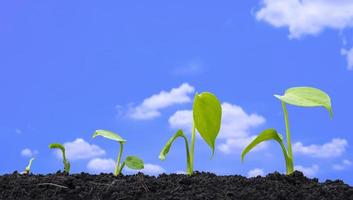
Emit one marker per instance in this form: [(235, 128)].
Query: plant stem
[(289, 144), (117, 167), (192, 148)]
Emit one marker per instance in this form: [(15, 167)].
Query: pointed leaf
[(134, 162), (167, 146), (109, 135), (307, 97), (207, 113), (269, 134)]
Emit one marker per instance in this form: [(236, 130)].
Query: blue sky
[(69, 68)]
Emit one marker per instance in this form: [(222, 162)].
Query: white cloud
[(28, 152), (98, 165), (80, 149), (307, 17), (256, 172), (341, 166), (150, 107), (308, 171), (331, 149), (349, 57), (150, 169), (235, 129)]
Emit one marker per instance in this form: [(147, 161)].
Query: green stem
[(117, 170), (290, 167), (192, 148), (121, 167)]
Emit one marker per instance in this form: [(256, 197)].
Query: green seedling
[(131, 162), (298, 96), (207, 115), (28, 168), (65, 161)]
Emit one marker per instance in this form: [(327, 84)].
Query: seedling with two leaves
[(207, 115), (131, 162), (298, 96), (62, 149)]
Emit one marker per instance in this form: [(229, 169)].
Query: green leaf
[(109, 135), (269, 134), (65, 161), (167, 146), (207, 113), (307, 97), (134, 162)]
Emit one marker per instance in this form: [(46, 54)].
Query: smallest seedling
[(65, 161), (28, 168), (131, 162)]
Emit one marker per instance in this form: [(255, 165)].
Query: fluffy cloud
[(98, 165), (308, 171), (307, 17), (235, 129), (331, 149), (28, 153), (80, 149), (349, 57), (150, 107), (149, 168), (256, 172), (341, 166)]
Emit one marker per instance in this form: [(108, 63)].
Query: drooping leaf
[(169, 143), (134, 162), (109, 135), (306, 97), (269, 134), (65, 161), (207, 114)]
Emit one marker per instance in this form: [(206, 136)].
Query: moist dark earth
[(173, 186)]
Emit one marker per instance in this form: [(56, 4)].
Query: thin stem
[(192, 148), (121, 167), (289, 144), (117, 167)]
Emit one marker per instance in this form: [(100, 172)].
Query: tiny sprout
[(28, 168), (207, 115), (298, 96), (65, 161), (131, 162)]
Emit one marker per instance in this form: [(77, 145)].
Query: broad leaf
[(207, 113), (269, 134), (109, 135), (134, 162), (167, 146), (306, 97)]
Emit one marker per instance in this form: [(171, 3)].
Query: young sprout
[(65, 161), (207, 115), (28, 168), (298, 96), (131, 162)]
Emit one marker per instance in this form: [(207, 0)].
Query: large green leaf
[(134, 162), (109, 135), (269, 134), (306, 97), (207, 113)]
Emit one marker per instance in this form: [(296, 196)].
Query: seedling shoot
[(207, 115), (298, 96), (28, 168), (131, 162), (62, 149)]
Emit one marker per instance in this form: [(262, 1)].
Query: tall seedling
[(298, 96), (207, 115), (62, 149)]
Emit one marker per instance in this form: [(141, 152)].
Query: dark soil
[(199, 186)]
